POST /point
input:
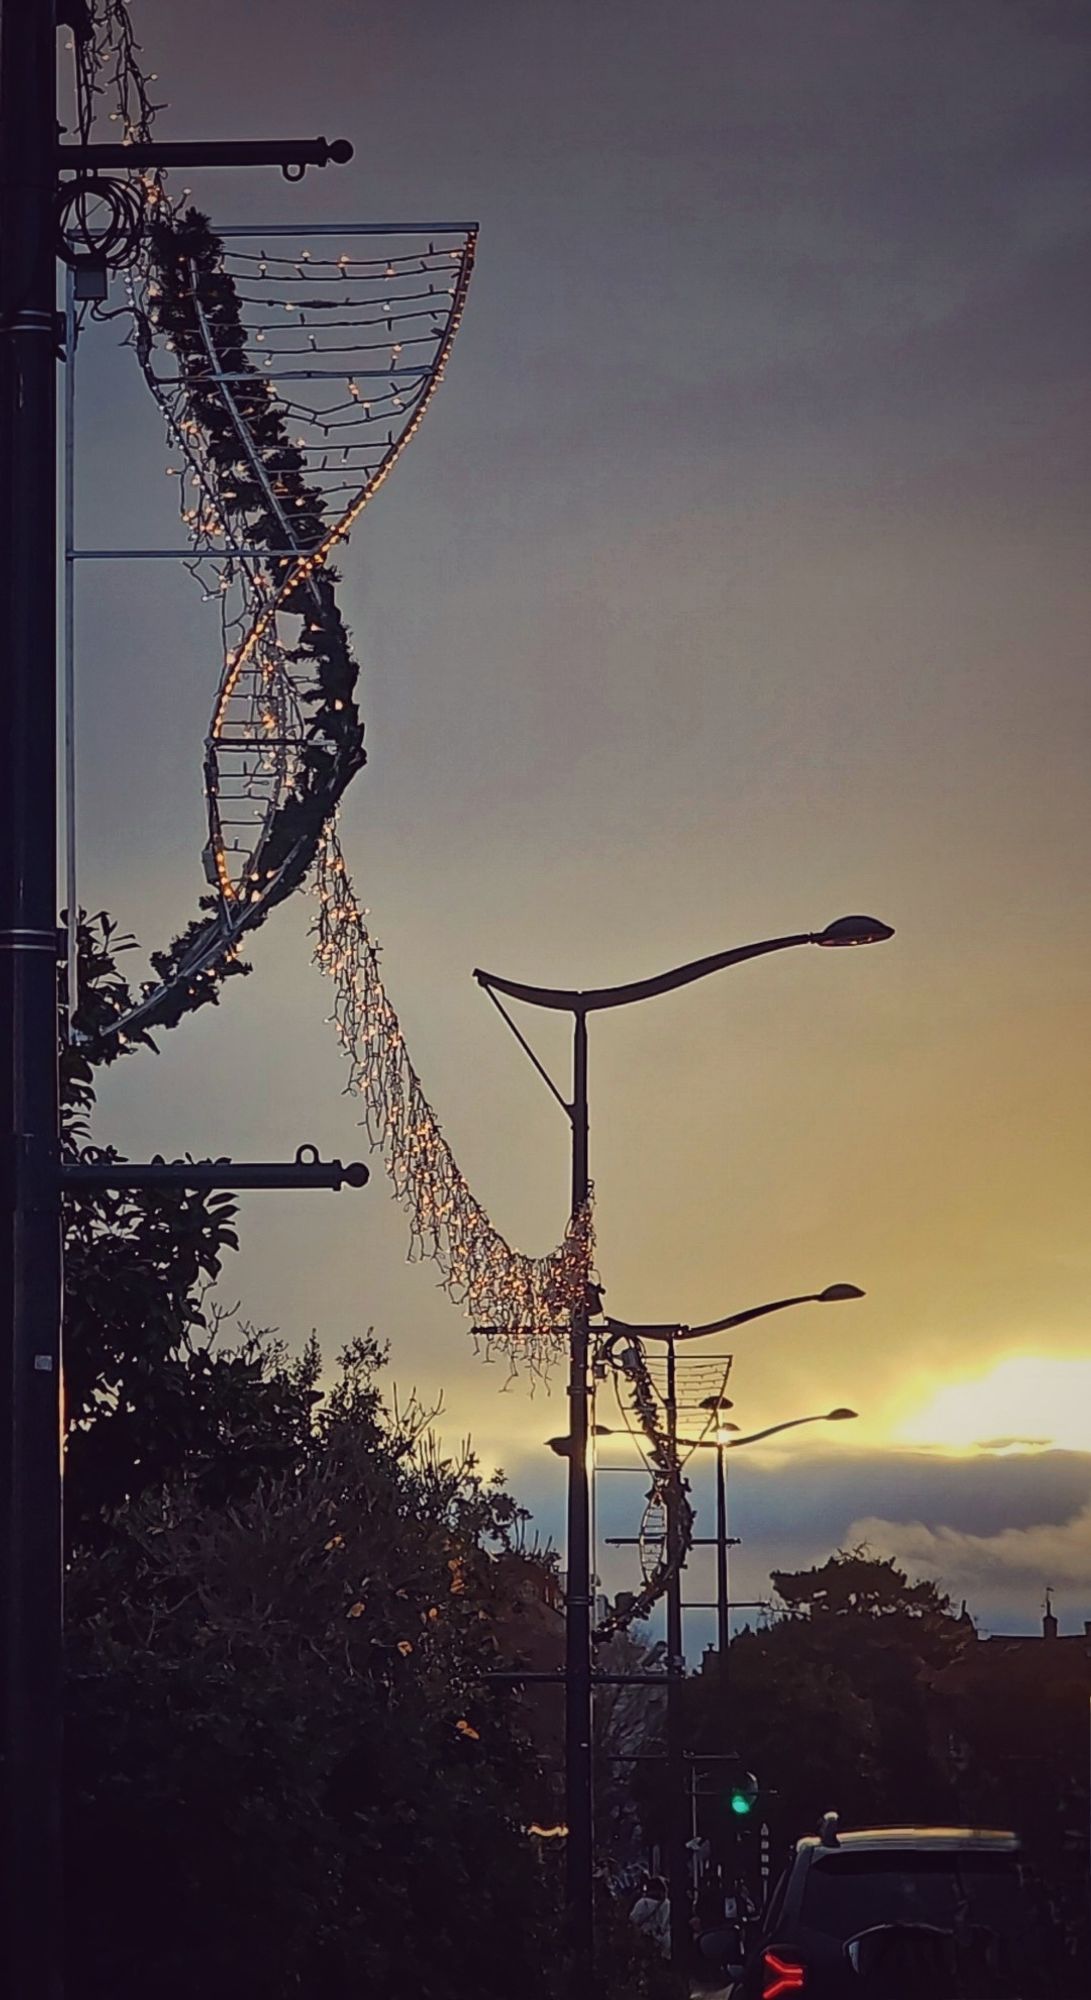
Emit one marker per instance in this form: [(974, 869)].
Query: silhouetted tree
[(287, 1773), (828, 1704), (152, 1387), (288, 1776)]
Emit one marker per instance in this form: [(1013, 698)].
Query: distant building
[(1009, 1717), (1075, 1644)]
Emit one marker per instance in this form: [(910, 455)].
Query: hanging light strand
[(661, 1555), (528, 1301)]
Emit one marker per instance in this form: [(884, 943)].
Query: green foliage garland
[(187, 285)]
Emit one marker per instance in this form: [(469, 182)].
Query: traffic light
[(743, 1796)]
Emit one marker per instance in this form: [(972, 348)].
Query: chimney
[(1049, 1622)]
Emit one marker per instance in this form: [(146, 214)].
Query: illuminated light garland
[(258, 509), (285, 737), (108, 70), (669, 1490), (252, 493), (528, 1300), (264, 506)]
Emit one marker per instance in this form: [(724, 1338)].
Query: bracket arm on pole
[(288, 154), (133, 1176)]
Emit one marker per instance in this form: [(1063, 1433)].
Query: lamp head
[(723, 1433), (563, 1445), (833, 1293), (717, 1403), (840, 1416), (854, 930)]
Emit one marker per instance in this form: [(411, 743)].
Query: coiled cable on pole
[(98, 216)]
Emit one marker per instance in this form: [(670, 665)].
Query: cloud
[(1047, 1552), (823, 1495), (1014, 1444)]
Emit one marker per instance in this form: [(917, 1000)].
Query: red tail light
[(780, 1975)]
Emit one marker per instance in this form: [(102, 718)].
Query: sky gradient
[(736, 581)]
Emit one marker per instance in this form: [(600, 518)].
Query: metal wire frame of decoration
[(291, 369), (642, 1403), (289, 381)]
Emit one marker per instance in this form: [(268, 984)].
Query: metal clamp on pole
[(133, 1176)]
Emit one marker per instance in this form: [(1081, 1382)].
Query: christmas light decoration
[(660, 1557), (527, 1300), (277, 458), (289, 383), (642, 1403)]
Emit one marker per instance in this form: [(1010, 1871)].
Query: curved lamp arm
[(771, 1430), (845, 931), (679, 1331)]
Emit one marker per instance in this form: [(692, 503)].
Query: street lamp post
[(830, 1295), (844, 932), (31, 1171), (723, 1601), (677, 1884), (675, 1758), (722, 1444)]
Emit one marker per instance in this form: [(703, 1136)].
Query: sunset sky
[(736, 581)]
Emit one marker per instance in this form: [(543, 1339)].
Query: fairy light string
[(289, 383), (528, 1301), (272, 475), (669, 1493)]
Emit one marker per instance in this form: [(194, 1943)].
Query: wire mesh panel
[(311, 388), (291, 370)]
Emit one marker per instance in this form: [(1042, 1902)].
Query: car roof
[(932, 1839)]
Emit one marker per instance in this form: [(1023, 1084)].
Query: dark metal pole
[(723, 1602), (677, 1881), (30, 1251), (579, 1801)]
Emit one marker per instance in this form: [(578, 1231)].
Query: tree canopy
[(152, 1385), (829, 1703), (288, 1775)]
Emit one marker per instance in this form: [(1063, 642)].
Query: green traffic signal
[(744, 1795)]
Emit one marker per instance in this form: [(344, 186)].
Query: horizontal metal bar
[(632, 1680), (207, 153), (124, 1176), (512, 1678), (698, 1541), (185, 555), (275, 374), (234, 229)]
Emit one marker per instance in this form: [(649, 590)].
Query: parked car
[(897, 1913)]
